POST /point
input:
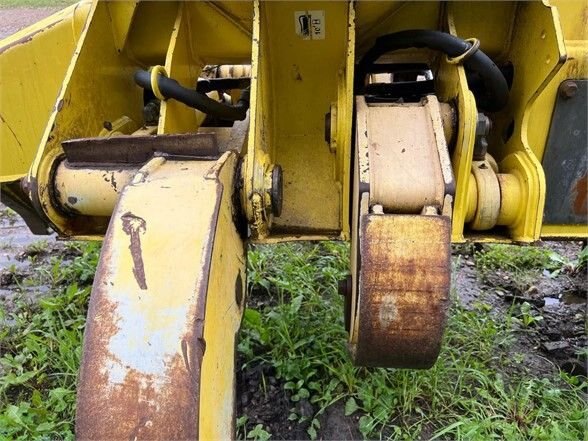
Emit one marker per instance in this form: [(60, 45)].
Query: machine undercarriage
[(179, 132)]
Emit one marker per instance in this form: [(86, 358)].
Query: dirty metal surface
[(139, 149), (403, 296), (566, 159), (145, 341), (407, 161)]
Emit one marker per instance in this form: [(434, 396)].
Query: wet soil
[(558, 302), (262, 397), (21, 255)]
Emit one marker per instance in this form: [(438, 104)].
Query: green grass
[(521, 266), (476, 390), (517, 259), (8, 215), (35, 3), (40, 348), (479, 389)]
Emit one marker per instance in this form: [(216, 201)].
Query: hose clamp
[(155, 72), (474, 46)]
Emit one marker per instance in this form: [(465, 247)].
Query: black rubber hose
[(495, 94), (171, 89)]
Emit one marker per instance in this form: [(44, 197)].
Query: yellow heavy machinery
[(179, 132)]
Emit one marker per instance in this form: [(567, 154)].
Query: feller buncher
[(177, 133)]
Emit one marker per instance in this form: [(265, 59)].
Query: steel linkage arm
[(158, 358)]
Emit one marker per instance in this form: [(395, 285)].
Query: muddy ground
[(552, 342)]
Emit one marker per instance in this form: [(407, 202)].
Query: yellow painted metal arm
[(166, 304)]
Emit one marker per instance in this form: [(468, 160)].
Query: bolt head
[(277, 190), (568, 89), (483, 125)]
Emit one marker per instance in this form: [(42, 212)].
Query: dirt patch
[(549, 307), (262, 398), (14, 19), (21, 253)]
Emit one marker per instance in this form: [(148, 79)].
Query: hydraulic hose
[(495, 94), (170, 88)]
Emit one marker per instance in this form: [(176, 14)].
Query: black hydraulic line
[(495, 85), (172, 89)]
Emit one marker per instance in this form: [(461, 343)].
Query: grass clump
[(517, 259), (478, 389), (40, 349)]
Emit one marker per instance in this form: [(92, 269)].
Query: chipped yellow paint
[(224, 307), (163, 312)]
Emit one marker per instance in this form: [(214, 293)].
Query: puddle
[(567, 298), (15, 237), (551, 301)]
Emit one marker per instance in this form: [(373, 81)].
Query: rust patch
[(113, 181), (141, 406), (404, 284), (128, 149), (161, 404), (134, 226), (580, 192)]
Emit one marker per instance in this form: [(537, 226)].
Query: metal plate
[(566, 159), (128, 149), (404, 283), (158, 358)]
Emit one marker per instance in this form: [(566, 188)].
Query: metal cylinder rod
[(90, 191)]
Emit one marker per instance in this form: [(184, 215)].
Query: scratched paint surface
[(144, 339)]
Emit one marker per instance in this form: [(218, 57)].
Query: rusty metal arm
[(158, 360)]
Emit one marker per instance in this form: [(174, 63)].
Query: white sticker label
[(310, 25)]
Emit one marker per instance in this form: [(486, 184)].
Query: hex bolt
[(568, 89), (276, 192), (483, 125)]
